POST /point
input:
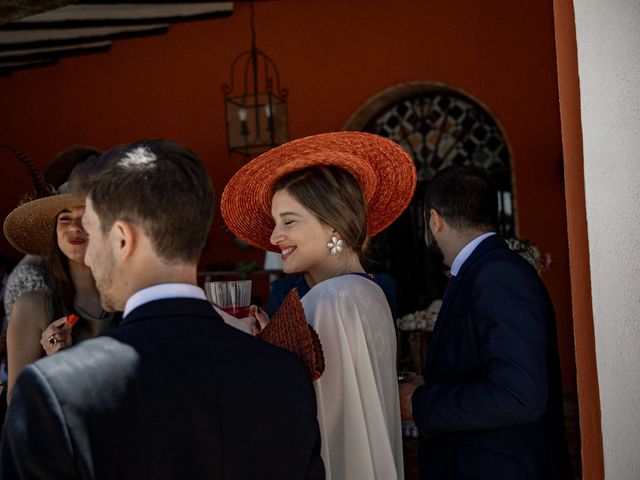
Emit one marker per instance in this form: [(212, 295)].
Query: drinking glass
[(234, 297)]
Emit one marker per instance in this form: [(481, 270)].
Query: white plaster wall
[(608, 34)]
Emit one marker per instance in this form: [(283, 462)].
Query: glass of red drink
[(234, 297)]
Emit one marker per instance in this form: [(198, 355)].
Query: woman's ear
[(333, 232)]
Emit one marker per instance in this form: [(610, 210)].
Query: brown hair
[(159, 185), (334, 196), (59, 281)]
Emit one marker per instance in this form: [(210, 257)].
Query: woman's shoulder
[(344, 285), (28, 277), (30, 267), (30, 308), (339, 281)]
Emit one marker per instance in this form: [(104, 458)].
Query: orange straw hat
[(386, 174)]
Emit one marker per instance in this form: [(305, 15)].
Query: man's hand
[(406, 393)]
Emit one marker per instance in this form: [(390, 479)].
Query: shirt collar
[(466, 252), (162, 291)]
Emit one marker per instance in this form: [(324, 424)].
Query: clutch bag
[(289, 329)]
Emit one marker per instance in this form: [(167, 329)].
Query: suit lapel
[(494, 241)]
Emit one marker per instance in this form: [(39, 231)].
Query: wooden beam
[(12, 10), (9, 67), (124, 13), (24, 39), (50, 52)]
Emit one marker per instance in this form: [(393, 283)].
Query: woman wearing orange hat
[(315, 201), (38, 323)]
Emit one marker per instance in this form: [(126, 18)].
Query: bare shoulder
[(30, 309)]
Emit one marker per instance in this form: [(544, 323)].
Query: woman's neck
[(86, 294), (341, 264)]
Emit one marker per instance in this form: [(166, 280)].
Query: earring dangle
[(335, 246)]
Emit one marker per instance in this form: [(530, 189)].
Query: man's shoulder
[(95, 368), (503, 270), (135, 355), (504, 261), (494, 254), (89, 357)]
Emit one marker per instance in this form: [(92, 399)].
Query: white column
[(608, 35)]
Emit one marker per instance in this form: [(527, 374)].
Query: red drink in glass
[(234, 296), (236, 311)]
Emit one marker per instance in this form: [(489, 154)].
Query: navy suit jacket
[(173, 392), (491, 407)]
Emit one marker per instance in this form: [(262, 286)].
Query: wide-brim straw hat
[(29, 227), (385, 172)]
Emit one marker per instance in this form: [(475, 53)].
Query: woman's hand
[(56, 336), (262, 319)]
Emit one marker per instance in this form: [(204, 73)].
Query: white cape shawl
[(358, 404)]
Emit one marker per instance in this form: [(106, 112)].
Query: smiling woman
[(313, 205), (326, 194), (51, 228), (70, 236)]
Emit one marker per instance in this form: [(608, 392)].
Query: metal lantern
[(256, 114)]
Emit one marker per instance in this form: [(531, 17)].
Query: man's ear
[(435, 221), (124, 238)]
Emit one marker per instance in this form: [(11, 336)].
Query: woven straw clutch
[(289, 329)]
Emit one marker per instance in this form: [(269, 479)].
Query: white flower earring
[(335, 245)]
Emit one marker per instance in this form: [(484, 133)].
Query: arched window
[(438, 126)]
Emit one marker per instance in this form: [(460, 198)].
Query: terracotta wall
[(585, 344), (332, 55)]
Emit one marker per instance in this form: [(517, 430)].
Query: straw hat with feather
[(29, 227)]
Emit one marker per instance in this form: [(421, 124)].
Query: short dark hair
[(161, 186), (464, 196), (334, 196)]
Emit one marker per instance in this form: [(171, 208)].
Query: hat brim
[(385, 172), (29, 227)]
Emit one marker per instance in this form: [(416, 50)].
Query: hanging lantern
[(256, 112)]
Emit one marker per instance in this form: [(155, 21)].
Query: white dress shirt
[(466, 252)]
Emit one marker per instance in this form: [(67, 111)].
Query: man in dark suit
[(173, 392), (491, 405)]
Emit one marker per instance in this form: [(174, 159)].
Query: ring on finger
[(52, 341)]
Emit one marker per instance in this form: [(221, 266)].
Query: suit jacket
[(491, 407), (173, 392)]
